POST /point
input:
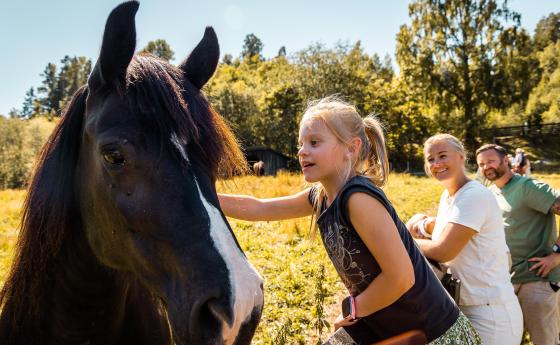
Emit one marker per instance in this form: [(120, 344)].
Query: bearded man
[(529, 207)]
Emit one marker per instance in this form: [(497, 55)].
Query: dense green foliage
[(544, 103), (464, 61), (547, 31), (20, 143), (264, 100)]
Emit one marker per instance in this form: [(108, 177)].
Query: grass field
[(302, 290)]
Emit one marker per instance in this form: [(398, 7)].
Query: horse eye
[(114, 157)]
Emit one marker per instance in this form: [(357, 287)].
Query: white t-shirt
[(482, 265)]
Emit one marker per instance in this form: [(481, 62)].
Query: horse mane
[(49, 212), (152, 85)]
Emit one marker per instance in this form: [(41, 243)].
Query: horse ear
[(202, 62), (117, 48)]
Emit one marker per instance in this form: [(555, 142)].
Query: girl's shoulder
[(361, 181), (363, 184)]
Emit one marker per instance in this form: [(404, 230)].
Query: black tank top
[(426, 306)]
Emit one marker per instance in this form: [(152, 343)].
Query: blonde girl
[(391, 288), (468, 235)]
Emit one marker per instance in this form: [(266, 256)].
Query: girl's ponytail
[(377, 163)]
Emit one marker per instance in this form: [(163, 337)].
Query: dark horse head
[(122, 239)]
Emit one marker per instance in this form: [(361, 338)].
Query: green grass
[(299, 296)]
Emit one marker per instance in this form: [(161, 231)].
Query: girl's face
[(443, 161), (323, 158)]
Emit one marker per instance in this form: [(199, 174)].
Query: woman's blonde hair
[(448, 138), (343, 120)]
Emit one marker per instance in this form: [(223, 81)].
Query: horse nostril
[(211, 313), (219, 309)]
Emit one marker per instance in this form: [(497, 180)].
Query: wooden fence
[(526, 130)]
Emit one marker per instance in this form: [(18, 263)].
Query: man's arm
[(541, 197), (545, 264)]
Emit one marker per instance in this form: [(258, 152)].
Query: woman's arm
[(250, 208), (421, 225), (453, 239), (383, 241)]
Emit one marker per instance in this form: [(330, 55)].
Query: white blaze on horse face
[(244, 279)]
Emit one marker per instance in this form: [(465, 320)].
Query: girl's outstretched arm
[(379, 233), (250, 208)]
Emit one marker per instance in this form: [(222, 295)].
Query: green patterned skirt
[(461, 333)]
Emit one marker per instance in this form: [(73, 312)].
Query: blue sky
[(36, 32)]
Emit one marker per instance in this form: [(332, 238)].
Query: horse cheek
[(129, 208)]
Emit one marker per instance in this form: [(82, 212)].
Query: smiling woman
[(468, 235)]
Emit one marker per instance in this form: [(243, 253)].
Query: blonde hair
[(343, 120), (448, 138)]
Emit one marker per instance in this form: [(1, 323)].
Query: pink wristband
[(353, 304)]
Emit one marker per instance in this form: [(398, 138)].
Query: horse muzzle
[(213, 319)]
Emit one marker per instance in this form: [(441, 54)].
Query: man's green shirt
[(529, 225)]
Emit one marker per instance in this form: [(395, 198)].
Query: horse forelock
[(154, 96), (49, 211), (180, 113)]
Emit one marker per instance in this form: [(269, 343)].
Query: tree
[(282, 108), (240, 110), (73, 74), (14, 113), (281, 51), (28, 104), (517, 69), (232, 93), (345, 70), (13, 168), (547, 31), (404, 121), (227, 59), (449, 55), (383, 69), (20, 143), (544, 101), (58, 86), (49, 101), (252, 48), (159, 48)]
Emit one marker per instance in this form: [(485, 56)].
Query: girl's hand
[(342, 322)]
